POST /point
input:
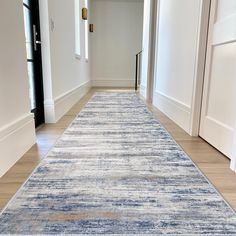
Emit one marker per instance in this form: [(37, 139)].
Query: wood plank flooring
[(212, 163)]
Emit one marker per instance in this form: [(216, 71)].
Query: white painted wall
[(116, 39), (66, 77), (17, 133), (177, 59)]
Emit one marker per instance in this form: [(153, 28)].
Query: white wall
[(116, 39), (17, 133), (177, 59), (67, 78)]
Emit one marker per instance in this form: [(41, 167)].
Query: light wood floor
[(212, 163)]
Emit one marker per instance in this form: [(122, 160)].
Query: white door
[(218, 114)]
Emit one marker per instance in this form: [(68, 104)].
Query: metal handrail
[(137, 70), (139, 52)]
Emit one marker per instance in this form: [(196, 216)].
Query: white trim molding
[(49, 111), (143, 90), (177, 111), (55, 109), (153, 42), (233, 154), (224, 31), (233, 163), (113, 83), (200, 61), (16, 139)]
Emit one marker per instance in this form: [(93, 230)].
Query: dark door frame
[(33, 6)]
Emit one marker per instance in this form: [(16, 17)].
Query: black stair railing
[(138, 69)]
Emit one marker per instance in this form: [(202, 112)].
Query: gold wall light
[(91, 28), (84, 13)]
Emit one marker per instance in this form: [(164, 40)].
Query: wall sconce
[(84, 13), (91, 28)]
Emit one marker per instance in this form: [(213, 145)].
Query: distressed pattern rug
[(116, 170)]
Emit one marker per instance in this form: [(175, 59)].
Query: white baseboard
[(55, 109), (117, 83), (143, 91), (15, 140), (177, 111)]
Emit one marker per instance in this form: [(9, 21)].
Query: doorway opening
[(34, 59)]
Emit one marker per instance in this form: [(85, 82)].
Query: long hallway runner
[(116, 170)]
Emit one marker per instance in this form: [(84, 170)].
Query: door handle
[(36, 42)]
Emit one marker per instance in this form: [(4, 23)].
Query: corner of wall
[(68, 92), (55, 109), (46, 62)]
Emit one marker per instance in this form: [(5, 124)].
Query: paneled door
[(218, 114)]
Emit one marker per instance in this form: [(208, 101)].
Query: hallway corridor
[(116, 159), (118, 117)]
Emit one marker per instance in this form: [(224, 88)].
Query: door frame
[(200, 66), (39, 93), (153, 26), (38, 111)]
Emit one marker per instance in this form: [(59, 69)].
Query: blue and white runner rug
[(117, 171)]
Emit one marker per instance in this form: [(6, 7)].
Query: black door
[(34, 59)]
